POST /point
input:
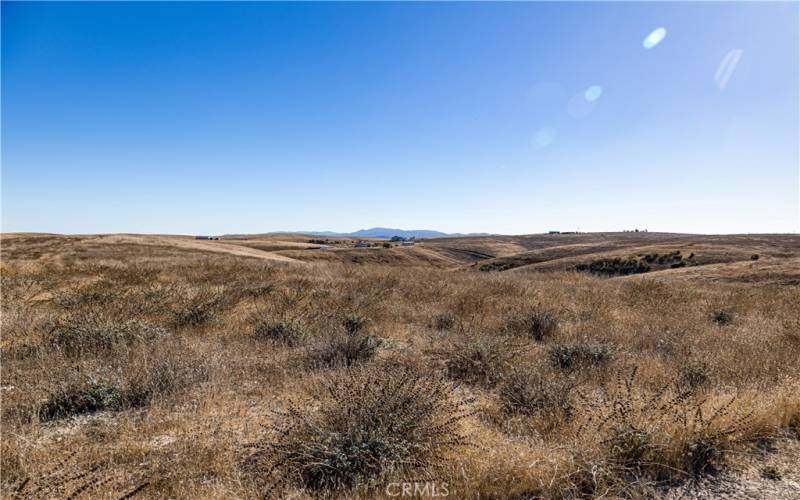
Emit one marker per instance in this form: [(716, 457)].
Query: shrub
[(99, 294), (355, 323), (79, 400), (664, 434), (92, 332), (280, 332), (163, 375), (530, 393), (536, 324), (386, 244), (194, 314), (754, 256), (578, 355), (146, 380), (496, 266), (154, 298), (444, 321), (199, 309), (343, 349), (694, 374), (479, 358), (722, 317), (614, 267), (771, 472), (256, 290), (364, 424)]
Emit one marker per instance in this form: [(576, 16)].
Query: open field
[(544, 366)]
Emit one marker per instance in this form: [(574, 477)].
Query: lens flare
[(726, 67), (654, 38), (544, 137), (593, 93)]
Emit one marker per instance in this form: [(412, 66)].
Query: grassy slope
[(187, 436)]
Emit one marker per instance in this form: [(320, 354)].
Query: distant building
[(206, 237), (362, 244), (407, 243)]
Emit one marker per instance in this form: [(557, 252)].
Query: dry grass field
[(546, 366)]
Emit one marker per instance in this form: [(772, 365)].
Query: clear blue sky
[(497, 117)]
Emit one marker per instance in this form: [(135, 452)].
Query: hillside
[(714, 257), (609, 365)]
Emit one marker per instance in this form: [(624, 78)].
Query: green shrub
[(771, 472), (614, 267), (79, 400), (496, 266)]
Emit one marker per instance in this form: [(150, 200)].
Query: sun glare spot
[(654, 38)]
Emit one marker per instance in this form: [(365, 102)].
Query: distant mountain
[(386, 232)]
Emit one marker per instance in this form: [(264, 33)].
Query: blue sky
[(253, 117)]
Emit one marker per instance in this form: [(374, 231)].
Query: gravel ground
[(762, 474)]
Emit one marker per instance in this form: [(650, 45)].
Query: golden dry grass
[(136, 365)]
